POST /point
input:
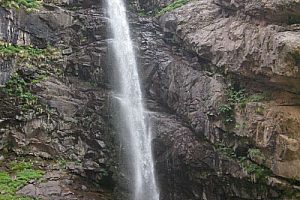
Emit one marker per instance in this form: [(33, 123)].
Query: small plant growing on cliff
[(257, 172), (172, 6), (19, 88), (142, 13), (19, 92), (227, 113), (235, 97), (239, 98), (255, 153)]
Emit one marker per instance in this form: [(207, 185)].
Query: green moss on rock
[(26, 51), (25, 4), (18, 174)]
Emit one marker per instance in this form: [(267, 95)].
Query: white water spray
[(138, 135)]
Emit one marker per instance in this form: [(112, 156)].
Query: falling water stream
[(138, 133)]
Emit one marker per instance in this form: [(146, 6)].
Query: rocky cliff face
[(221, 77), (244, 38), (66, 131), (234, 84)]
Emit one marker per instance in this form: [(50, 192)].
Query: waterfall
[(137, 131)]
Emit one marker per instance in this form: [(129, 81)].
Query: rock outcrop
[(72, 126), (235, 83), (244, 38)]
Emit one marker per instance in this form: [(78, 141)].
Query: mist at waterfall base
[(136, 133)]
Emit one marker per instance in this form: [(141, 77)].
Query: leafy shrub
[(227, 110), (259, 173), (238, 98), (227, 113), (19, 88)]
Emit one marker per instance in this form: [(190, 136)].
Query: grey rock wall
[(77, 130)]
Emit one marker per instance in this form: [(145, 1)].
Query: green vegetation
[(19, 88), (142, 13), (227, 113), (41, 64), (32, 57), (20, 165), (13, 197), (9, 50), (172, 6), (256, 97), (255, 153), (63, 163), (227, 110), (258, 172), (25, 4), (238, 98), (19, 173)]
